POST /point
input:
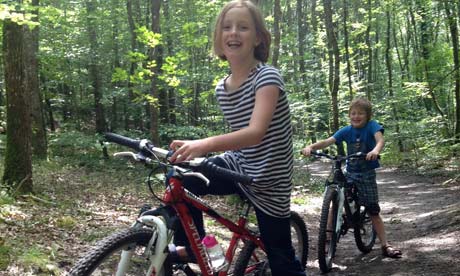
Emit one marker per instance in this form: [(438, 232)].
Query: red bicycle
[(143, 248)]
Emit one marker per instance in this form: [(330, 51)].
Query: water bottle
[(215, 253)]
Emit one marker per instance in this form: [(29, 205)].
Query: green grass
[(38, 259), (5, 256), (66, 223)]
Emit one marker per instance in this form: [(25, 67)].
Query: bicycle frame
[(177, 196), (341, 200), (337, 181)]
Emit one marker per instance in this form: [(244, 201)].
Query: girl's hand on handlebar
[(307, 151), (185, 150)]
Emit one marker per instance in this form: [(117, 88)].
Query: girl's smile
[(239, 37)]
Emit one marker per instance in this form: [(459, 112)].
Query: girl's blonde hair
[(261, 51), (362, 103)]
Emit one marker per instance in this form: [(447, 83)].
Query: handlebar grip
[(212, 169), (122, 140)]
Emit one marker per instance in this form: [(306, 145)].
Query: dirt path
[(422, 218)]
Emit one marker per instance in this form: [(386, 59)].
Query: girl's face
[(239, 36), (358, 117)]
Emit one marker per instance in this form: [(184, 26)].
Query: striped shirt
[(270, 162)]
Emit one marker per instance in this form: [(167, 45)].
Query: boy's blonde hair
[(261, 51), (362, 103)]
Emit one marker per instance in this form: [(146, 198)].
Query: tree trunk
[(276, 32), (171, 92), (370, 84), (389, 66), (18, 156), (302, 41), (39, 144), (347, 50), (94, 72), (114, 118), (155, 54), (452, 21), (334, 63), (132, 115)]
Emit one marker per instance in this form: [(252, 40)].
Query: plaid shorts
[(366, 183)]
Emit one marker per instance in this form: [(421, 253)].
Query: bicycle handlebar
[(198, 164), (357, 155), (143, 145)]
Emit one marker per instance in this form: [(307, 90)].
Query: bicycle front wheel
[(104, 258), (364, 231), (328, 236), (253, 261)]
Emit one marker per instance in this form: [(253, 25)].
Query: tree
[(18, 156), (39, 143), (156, 56), (94, 72), (452, 23), (347, 48), (390, 76), (276, 31), (334, 62)]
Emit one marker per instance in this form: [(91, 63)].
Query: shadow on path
[(422, 218)]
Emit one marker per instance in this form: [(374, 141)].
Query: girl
[(255, 105)]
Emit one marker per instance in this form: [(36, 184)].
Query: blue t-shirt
[(359, 140)]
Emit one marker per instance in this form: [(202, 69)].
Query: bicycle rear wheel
[(104, 258), (364, 231), (327, 236), (253, 261)]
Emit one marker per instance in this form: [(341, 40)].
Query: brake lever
[(198, 175), (136, 156)]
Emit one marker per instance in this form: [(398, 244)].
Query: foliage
[(66, 222), (5, 252), (38, 258), (172, 132), (76, 146), (5, 198)]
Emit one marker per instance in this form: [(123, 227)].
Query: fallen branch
[(451, 180), (39, 199)]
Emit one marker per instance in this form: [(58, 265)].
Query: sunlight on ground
[(434, 244)]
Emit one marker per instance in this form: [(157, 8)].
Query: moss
[(5, 252), (66, 222)]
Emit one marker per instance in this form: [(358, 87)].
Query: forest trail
[(421, 214), (422, 218)]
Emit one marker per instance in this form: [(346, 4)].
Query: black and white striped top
[(270, 163)]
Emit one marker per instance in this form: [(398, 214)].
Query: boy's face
[(358, 117)]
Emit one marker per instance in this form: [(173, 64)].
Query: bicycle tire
[(247, 264), (364, 232), (328, 238), (103, 258)]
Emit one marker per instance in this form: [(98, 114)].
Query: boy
[(363, 135)]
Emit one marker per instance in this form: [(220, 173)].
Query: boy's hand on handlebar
[(372, 155), (185, 150)]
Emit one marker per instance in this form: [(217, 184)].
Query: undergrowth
[(81, 196)]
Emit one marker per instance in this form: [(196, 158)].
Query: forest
[(146, 67), (72, 70)]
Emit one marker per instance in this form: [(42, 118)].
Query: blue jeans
[(277, 240)]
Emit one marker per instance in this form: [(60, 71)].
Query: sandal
[(391, 252)]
